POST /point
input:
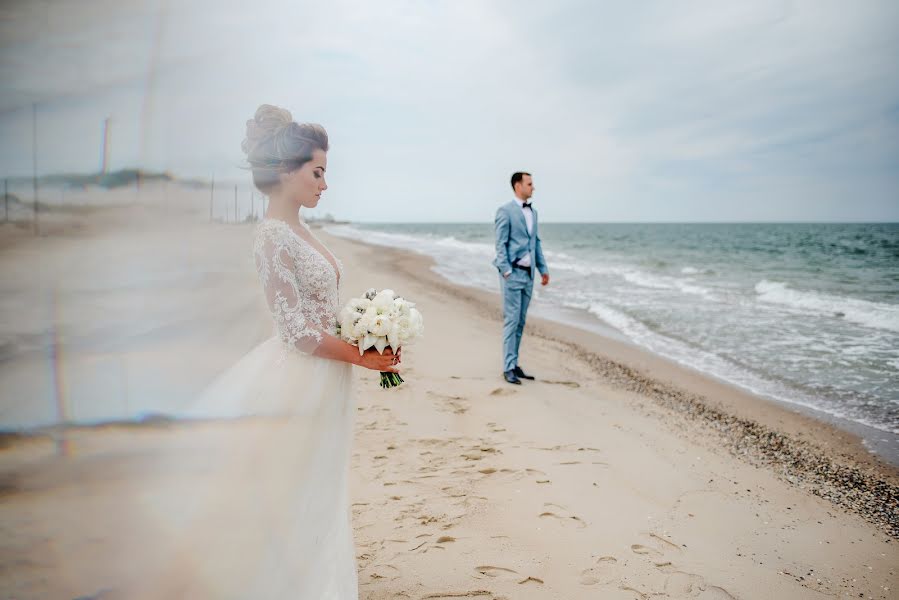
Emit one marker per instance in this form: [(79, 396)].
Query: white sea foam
[(661, 282), (717, 366), (647, 281), (875, 315)]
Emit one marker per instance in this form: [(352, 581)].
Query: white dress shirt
[(529, 219)]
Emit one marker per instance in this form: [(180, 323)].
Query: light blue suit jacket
[(513, 241)]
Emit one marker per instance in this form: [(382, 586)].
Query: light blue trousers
[(517, 290)]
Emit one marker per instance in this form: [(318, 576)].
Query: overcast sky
[(638, 111)]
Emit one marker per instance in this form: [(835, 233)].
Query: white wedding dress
[(274, 523)]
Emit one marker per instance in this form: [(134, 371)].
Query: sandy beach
[(615, 474)]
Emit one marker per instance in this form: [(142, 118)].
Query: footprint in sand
[(662, 546), (680, 584), (507, 574), (600, 572), (454, 491), (538, 474), (665, 544), (382, 571), (713, 592), (571, 384), (570, 519), (502, 392), (455, 404), (500, 572), (458, 408), (641, 549)]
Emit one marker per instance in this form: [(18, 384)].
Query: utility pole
[(235, 203), (211, 196), (104, 154), (34, 160)]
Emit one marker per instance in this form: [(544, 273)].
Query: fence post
[(6, 199), (211, 196), (235, 204), (59, 391), (252, 204)]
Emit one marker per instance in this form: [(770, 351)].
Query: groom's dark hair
[(518, 176)]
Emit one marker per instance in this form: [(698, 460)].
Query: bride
[(270, 519)]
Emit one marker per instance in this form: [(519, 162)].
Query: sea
[(803, 314)]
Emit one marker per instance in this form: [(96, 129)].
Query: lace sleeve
[(277, 270)]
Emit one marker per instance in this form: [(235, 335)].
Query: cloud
[(692, 110)]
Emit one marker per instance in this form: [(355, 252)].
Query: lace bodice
[(301, 285)]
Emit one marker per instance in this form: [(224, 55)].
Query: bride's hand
[(386, 363)]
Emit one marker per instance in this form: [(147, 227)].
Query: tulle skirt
[(271, 518)]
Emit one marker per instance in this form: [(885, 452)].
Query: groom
[(518, 257)]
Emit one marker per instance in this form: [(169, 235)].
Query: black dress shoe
[(511, 377), (519, 373)]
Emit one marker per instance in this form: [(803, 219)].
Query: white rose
[(383, 301), (402, 306), (380, 325), (359, 330), (359, 305), (347, 325), (365, 323), (416, 323)]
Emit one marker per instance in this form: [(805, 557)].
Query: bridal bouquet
[(378, 320)]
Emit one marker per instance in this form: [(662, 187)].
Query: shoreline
[(872, 424), (870, 439), (578, 332), (805, 451)]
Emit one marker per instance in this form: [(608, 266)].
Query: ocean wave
[(717, 366), (658, 282), (696, 271), (422, 243), (874, 315), (647, 281), (469, 247)]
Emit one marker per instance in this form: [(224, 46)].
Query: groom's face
[(525, 187)]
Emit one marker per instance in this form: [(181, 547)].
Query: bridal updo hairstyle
[(276, 144)]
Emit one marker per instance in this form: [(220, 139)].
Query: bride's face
[(305, 185)]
